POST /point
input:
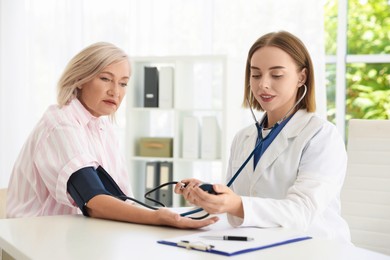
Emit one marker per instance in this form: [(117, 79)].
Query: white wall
[(37, 38)]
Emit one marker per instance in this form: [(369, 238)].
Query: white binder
[(210, 139), (165, 97), (191, 135)]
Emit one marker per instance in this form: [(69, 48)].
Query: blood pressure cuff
[(87, 182)]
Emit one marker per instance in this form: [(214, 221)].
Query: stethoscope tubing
[(234, 176), (256, 147)]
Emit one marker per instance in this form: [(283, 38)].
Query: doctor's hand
[(226, 201), (167, 217), (180, 187)]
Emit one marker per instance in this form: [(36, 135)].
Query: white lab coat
[(297, 181)]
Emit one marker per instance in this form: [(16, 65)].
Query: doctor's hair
[(86, 65), (298, 52)]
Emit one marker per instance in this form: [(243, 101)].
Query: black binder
[(150, 87), (152, 180), (166, 192)]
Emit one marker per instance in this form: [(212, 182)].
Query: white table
[(78, 237)]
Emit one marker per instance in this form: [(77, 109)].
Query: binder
[(152, 180), (165, 87), (150, 87), (190, 144), (262, 239), (210, 138), (166, 192)]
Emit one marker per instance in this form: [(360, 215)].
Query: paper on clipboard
[(263, 238)]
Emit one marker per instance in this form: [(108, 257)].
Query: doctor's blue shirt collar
[(296, 124)]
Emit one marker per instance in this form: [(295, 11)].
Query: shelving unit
[(199, 90)]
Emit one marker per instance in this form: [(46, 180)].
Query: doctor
[(295, 177)]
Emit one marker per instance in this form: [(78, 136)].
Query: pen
[(231, 238)]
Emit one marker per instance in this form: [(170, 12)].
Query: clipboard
[(262, 238)]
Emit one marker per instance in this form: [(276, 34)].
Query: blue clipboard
[(263, 239)]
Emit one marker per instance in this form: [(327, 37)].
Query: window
[(357, 34)]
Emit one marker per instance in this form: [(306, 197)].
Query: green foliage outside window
[(368, 85)]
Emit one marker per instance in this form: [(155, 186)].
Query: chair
[(3, 198), (365, 197)]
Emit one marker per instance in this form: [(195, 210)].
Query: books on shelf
[(201, 141)]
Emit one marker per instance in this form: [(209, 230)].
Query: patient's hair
[(85, 66)]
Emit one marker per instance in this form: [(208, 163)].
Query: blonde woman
[(57, 171)]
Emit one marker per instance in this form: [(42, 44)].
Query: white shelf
[(171, 159), (199, 90)]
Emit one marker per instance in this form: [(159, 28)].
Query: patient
[(57, 167)]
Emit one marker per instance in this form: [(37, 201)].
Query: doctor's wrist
[(237, 208)]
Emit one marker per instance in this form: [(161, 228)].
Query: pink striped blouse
[(64, 141)]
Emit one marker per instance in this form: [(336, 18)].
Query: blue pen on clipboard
[(230, 238)]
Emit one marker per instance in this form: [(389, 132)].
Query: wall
[(37, 38)]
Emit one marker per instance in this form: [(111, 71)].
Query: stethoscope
[(232, 179)]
